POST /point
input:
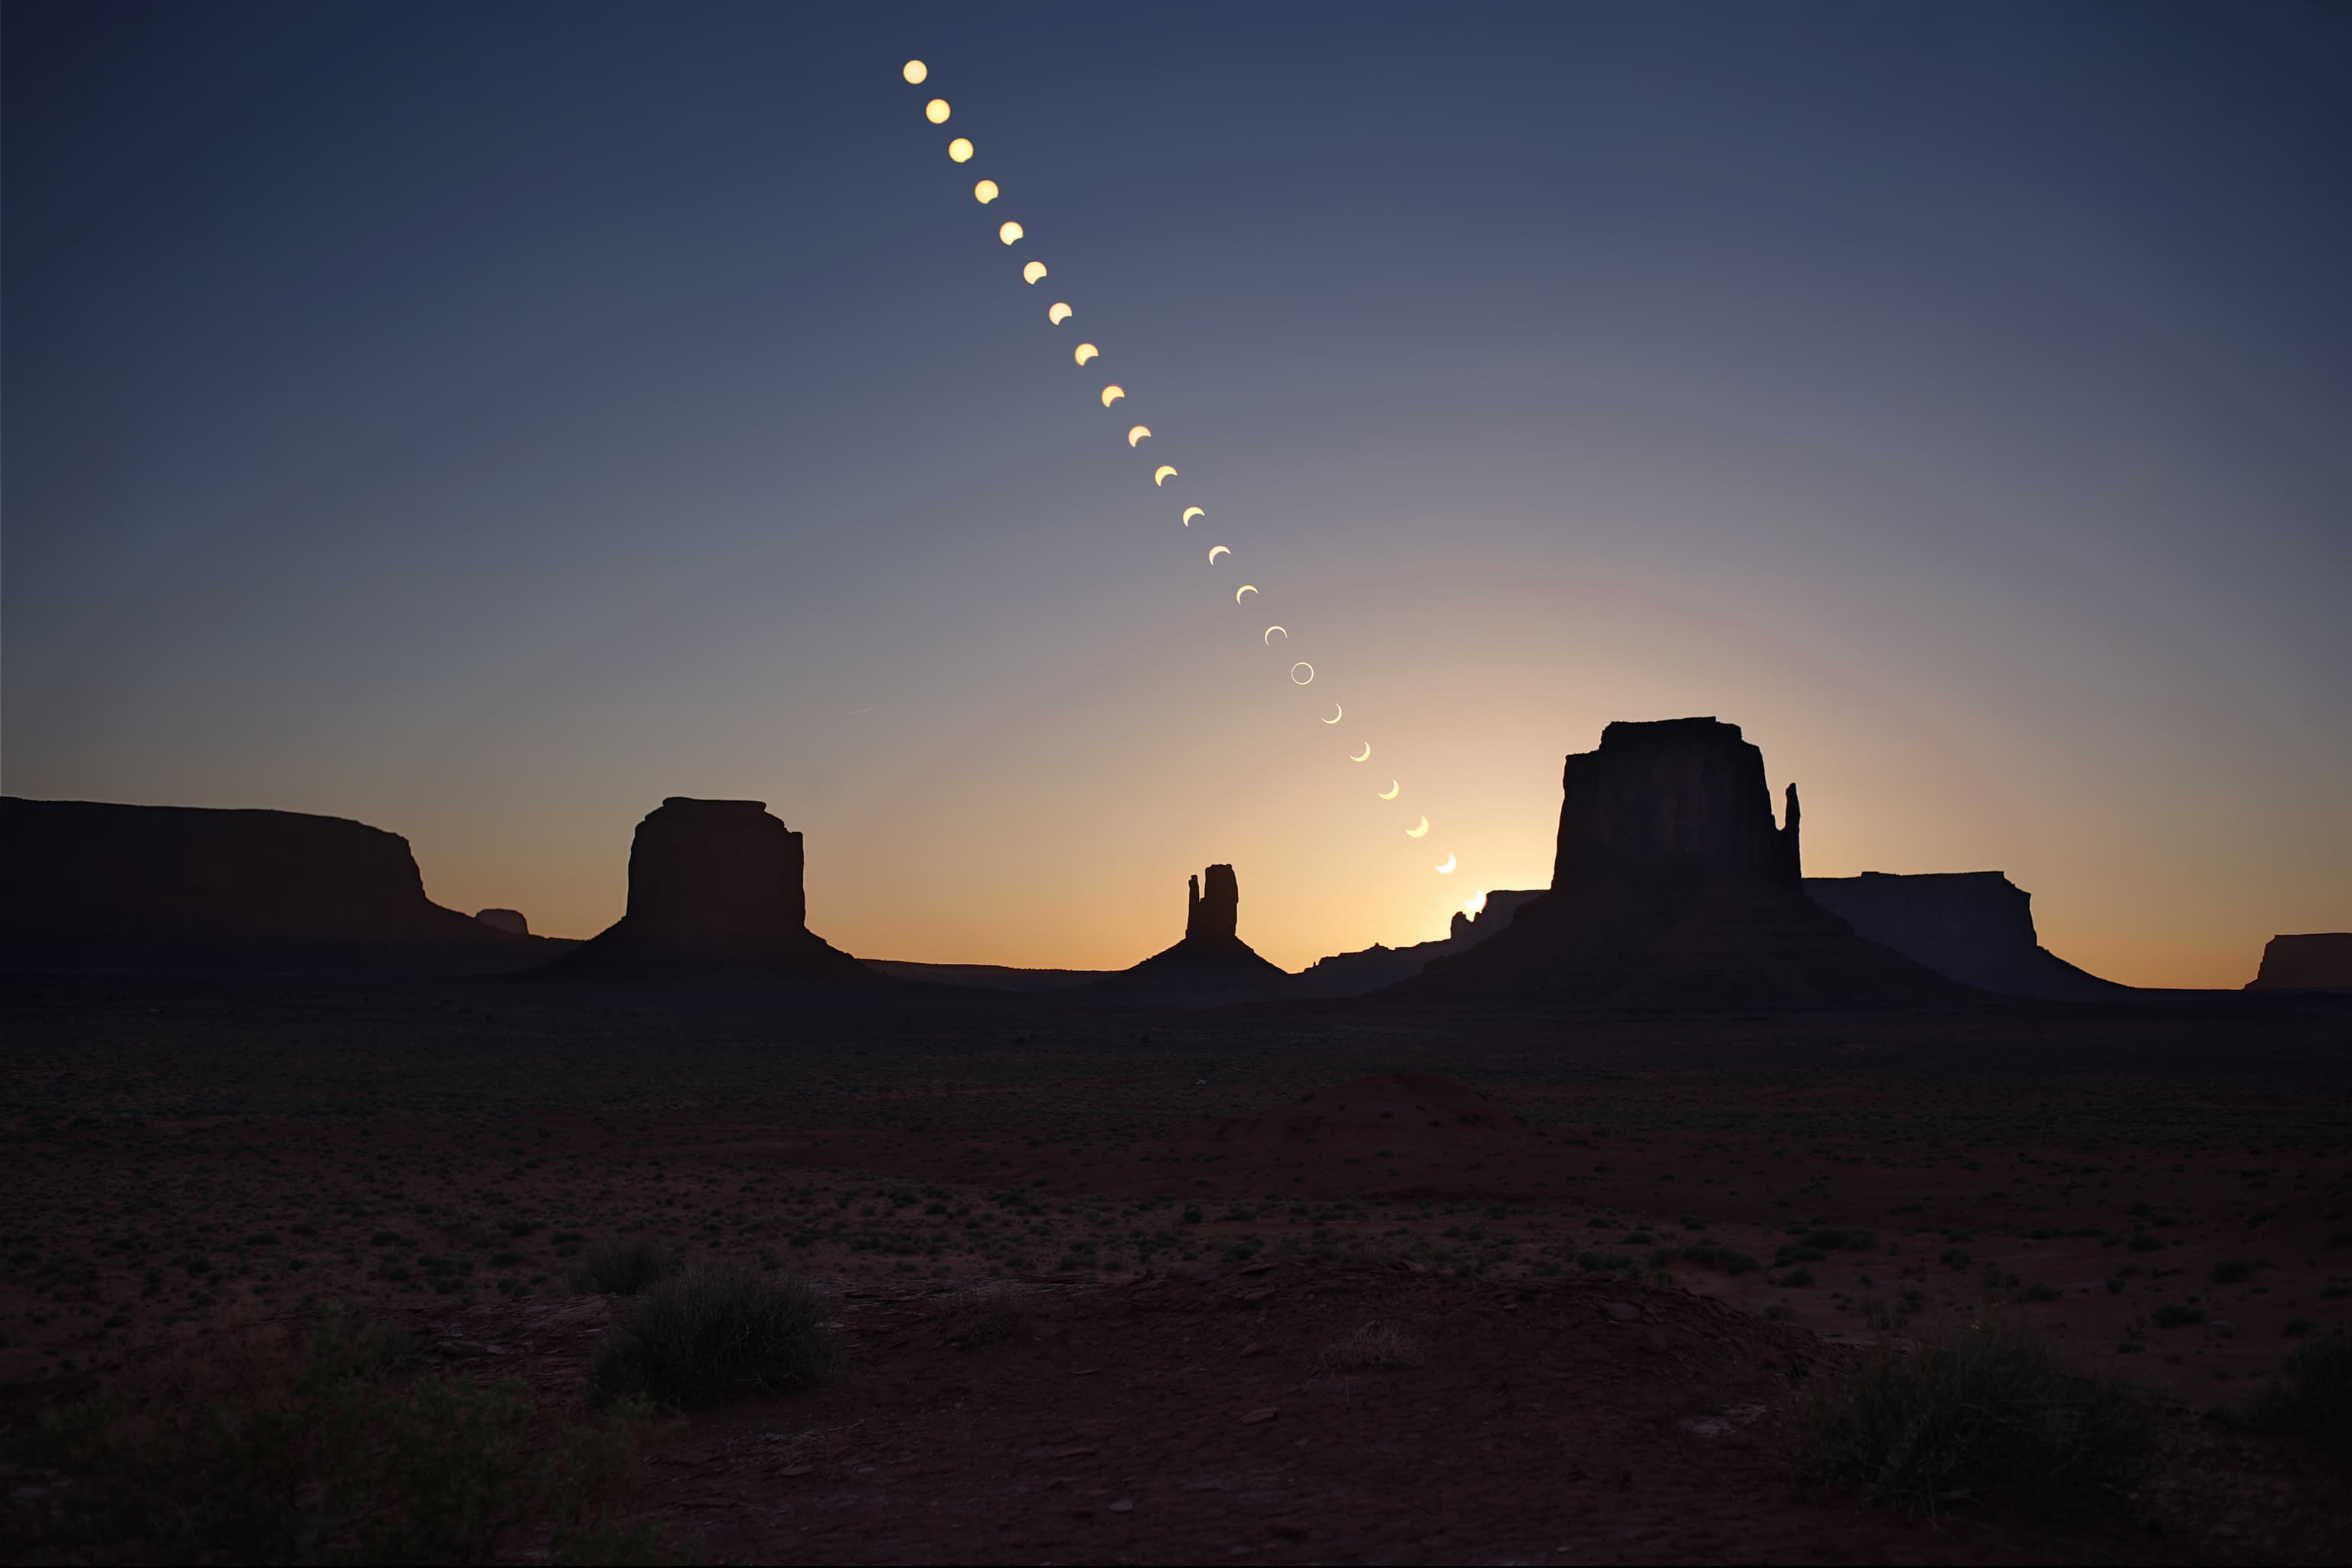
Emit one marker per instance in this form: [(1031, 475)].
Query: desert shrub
[(2314, 1394), (1975, 1408), (627, 1267), (2231, 1270), (975, 1322), (2038, 1291), (1374, 1344), (716, 1331), (2174, 1314), (267, 1448), (1712, 1255), (2146, 1241)]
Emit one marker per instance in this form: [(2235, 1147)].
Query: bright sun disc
[(936, 111), (960, 150), (984, 193), (916, 71), (1009, 233)]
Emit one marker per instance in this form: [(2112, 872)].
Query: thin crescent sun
[(1271, 630), (1162, 474), (1245, 588), (1389, 793), (1417, 832), (1336, 712), (1217, 550), (1112, 394), (1032, 272), (1190, 514), (1447, 869), (1059, 311), (1138, 433), (1363, 756)]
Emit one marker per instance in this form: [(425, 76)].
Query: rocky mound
[(1974, 927), (77, 871), (717, 883), (2315, 961), (1673, 887), (1209, 966), (509, 921)]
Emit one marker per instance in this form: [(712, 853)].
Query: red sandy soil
[(1587, 1391)]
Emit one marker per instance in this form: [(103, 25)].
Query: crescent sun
[(1447, 869), (1336, 713), (1190, 514), (1058, 313), (1009, 233), (1086, 352), (1217, 550), (1112, 394), (1363, 756), (1138, 433), (1164, 473), (1392, 792), (1417, 832), (1032, 272), (1248, 588), (1271, 630)]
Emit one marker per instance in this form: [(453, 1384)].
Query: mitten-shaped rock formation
[(79, 871), (1674, 889), (717, 882), (1974, 927), (2315, 961), (1211, 964)]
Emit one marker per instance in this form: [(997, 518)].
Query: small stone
[(1623, 1311), (1256, 1416), (1124, 1505), (1250, 1349)]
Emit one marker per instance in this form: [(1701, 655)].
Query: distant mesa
[(1674, 887), (1974, 927), (88, 872), (508, 921), (716, 883), (1209, 966), (2315, 961)]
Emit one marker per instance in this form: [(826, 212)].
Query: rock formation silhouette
[(1674, 889), (509, 921), (1974, 927), (717, 883), (1371, 968), (1211, 964), (79, 871), (2314, 961)]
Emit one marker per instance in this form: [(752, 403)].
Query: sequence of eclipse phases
[(937, 111), (986, 191)]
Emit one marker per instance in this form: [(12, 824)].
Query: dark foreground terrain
[(1102, 1282)]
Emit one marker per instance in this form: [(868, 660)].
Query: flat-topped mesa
[(1213, 915), (2311, 960), (1672, 800)]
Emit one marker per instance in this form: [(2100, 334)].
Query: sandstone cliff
[(716, 883), (2315, 961), (1974, 927), (77, 871), (1371, 968)]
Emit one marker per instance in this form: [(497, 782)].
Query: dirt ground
[(1619, 1243)]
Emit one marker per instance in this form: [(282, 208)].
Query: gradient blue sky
[(486, 420)]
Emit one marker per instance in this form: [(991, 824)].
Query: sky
[(486, 421)]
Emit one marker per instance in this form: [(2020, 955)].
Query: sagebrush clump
[(1973, 1409), (716, 1331), (334, 1447), (627, 1267)]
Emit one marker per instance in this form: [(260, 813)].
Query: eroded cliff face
[(2314, 961), (88, 871), (1674, 800), (1673, 887), (1213, 914), (1211, 965), (715, 882)]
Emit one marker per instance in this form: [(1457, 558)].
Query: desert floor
[(1621, 1244)]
